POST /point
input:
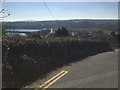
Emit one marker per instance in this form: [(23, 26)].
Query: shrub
[(24, 60)]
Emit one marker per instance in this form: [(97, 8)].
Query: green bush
[(24, 60)]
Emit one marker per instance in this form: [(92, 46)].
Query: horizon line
[(60, 20)]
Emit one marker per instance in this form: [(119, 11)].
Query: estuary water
[(21, 31)]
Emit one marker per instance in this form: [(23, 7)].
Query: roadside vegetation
[(26, 59)]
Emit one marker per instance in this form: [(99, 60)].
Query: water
[(24, 30)]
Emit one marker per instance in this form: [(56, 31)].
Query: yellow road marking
[(52, 80), (55, 80)]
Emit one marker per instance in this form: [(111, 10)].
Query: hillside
[(76, 24)]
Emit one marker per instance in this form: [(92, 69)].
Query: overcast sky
[(60, 10)]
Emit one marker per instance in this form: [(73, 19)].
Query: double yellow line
[(52, 80)]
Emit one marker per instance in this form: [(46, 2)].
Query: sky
[(60, 0), (60, 10)]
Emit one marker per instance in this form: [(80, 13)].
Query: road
[(98, 71)]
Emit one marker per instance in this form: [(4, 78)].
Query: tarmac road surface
[(98, 71)]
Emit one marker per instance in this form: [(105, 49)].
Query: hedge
[(26, 60)]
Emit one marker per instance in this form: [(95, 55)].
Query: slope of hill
[(69, 24)]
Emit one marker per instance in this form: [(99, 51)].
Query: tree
[(113, 34), (62, 32)]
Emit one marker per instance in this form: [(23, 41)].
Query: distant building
[(71, 33), (47, 32)]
